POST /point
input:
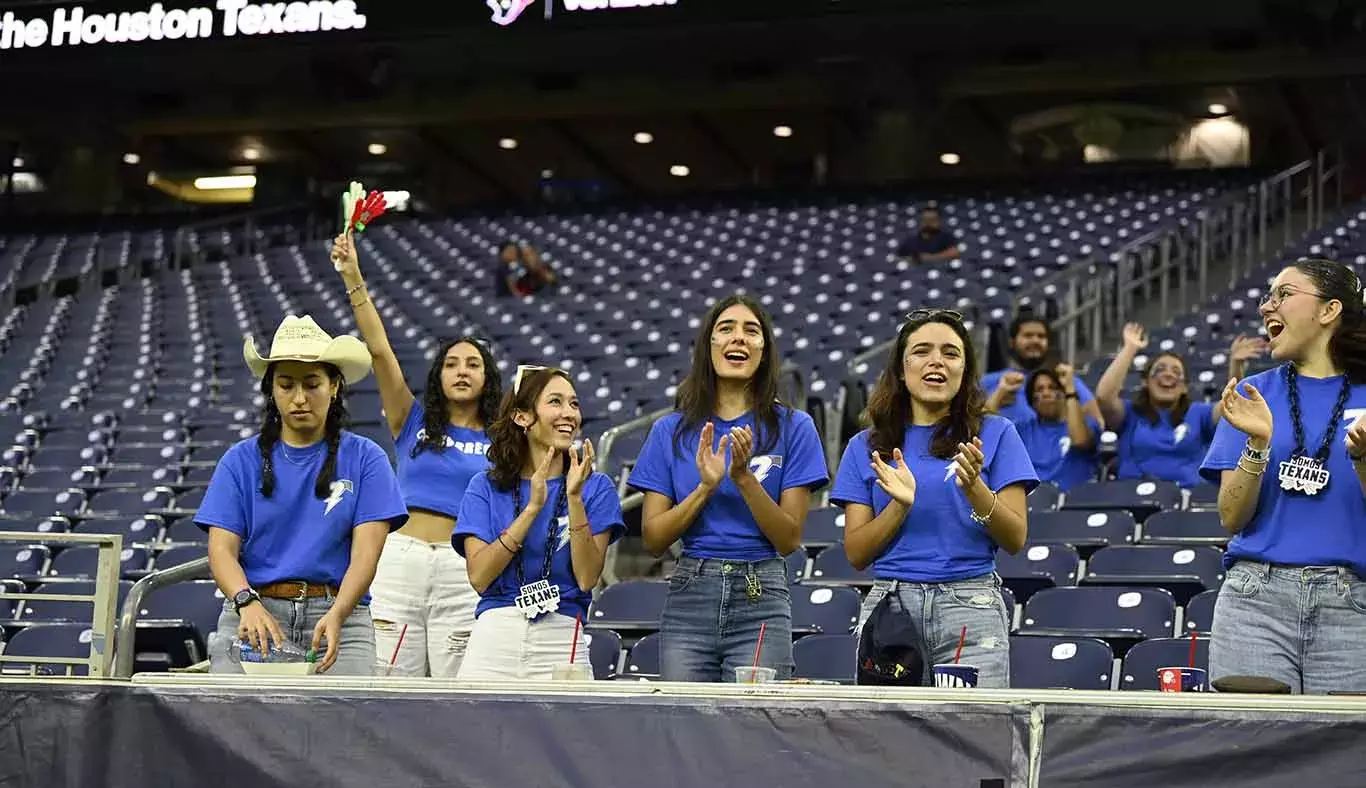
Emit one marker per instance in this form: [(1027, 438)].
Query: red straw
[(574, 647), (962, 636), (762, 629), (1192, 659), (394, 659)]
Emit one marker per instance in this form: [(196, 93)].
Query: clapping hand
[(896, 480)]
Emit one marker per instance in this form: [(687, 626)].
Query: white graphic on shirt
[(762, 466), (949, 470), (1179, 434), (464, 447), (339, 488), (562, 524), (1064, 445)]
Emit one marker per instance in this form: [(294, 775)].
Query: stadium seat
[(604, 651), (63, 610), (1085, 530), (828, 610), (50, 641), (1038, 566), (1200, 612), (831, 567), (796, 566), (1044, 498), (1193, 527), (1043, 662), (1118, 615), (77, 562), (1204, 497), (22, 560), (637, 605), (642, 661), (828, 657), (197, 603), (175, 556), (1141, 498), (185, 532), (1184, 571), (823, 528), (135, 530), (1144, 659)]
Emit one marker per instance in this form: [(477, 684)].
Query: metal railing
[(125, 650), (629, 501), (1089, 302), (104, 601), (243, 227)]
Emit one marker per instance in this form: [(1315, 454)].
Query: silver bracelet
[(985, 519)]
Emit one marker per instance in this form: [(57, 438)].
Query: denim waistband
[(1299, 574), (720, 567), (892, 585)]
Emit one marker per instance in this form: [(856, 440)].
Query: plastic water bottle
[(241, 651)]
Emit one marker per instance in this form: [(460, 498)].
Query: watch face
[(242, 598)]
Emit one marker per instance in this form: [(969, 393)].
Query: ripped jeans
[(939, 611), (423, 606)]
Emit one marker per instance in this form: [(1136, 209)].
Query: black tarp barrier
[(109, 736), (1201, 748)]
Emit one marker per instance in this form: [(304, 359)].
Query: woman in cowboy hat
[(424, 605), (297, 515)]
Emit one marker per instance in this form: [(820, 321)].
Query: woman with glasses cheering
[(534, 529), (1163, 433), (930, 491), (1290, 459), (731, 474)]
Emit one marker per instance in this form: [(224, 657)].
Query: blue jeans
[(355, 653), (1304, 626), (938, 613), (711, 626)]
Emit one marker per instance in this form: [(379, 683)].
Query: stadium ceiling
[(711, 84)]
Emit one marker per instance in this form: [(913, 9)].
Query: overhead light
[(507, 143), (1218, 109), (782, 131), (251, 153), (644, 138), (680, 171), (949, 158), (219, 182), (18, 161), (378, 149), (547, 174), (131, 158)]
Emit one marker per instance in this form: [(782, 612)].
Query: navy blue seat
[(1120, 616), (1184, 571), (828, 657), (642, 661), (1190, 527), (635, 605), (1042, 662), (831, 567), (1200, 612), (1141, 498), (828, 610), (1144, 659), (49, 641), (604, 651), (1085, 530), (1038, 566)]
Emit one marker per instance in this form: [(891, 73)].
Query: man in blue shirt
[(1031, 343), (931, 243)]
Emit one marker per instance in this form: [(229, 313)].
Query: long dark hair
[(272, 422), (1335, 281), (889, 404), (509, 447), (696, 398), (436, 409), (1144, 405)]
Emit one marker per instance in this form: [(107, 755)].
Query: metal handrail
[(125, 651), (630, 501), (104, 600)]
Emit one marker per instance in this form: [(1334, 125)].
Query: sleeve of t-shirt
[(411, 425), (379, 500), (1010, 464), (1223, 452), (603, 506), (1205, 415), (653, 469), (850, 483), (1084, 393), (227, 502), (804, 465), (476, 515)]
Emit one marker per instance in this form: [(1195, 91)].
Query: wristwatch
[(243, 598)]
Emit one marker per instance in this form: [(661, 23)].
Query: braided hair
[(272, 422), (436, 408)]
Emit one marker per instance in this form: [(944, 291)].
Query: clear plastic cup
[(752, 675), (575, 671)]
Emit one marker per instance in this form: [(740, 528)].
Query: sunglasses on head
[(930, 314), (522, 371)]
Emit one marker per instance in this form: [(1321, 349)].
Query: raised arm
[(1110, 389), (394, 393)]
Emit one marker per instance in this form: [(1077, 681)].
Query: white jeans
[(505, 645), (421, 595)]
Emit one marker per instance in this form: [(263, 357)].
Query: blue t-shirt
[(486, 512), (1019, 410), (1165, 451), (293, 535), (1294, 529), (726, 528), (1055, 458), (939, 541), (437, 481)]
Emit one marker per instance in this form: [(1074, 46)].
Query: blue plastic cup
[(955, 676)]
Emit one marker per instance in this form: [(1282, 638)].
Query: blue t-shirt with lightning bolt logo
[(485, 512), (294, 535)]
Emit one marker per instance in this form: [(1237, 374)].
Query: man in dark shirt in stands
[(521, 270), (931, 243)]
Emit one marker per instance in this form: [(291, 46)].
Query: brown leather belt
[(296, 589)]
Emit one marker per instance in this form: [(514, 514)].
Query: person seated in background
[(521, 270), (931, 243), (1163, 435), (1061, 438), (1031, 345)]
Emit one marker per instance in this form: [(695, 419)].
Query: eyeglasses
[(930, 314), (1274, 298), (522, 371)]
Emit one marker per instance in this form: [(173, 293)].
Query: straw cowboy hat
[(300, 339)]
